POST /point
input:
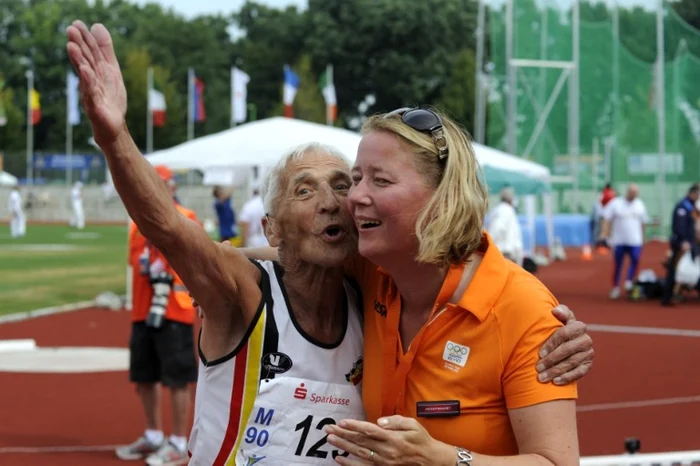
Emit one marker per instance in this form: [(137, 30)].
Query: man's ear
[(271, 232)]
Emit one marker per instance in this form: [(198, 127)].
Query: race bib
[(287, 421)]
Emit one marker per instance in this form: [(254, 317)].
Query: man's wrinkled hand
[(102, 89), (568, 354)]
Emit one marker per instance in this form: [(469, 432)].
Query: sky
[(192, 8)]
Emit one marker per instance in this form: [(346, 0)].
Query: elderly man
[(281, 342), (624, 222)]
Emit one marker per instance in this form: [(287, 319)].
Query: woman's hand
[(394, 440)]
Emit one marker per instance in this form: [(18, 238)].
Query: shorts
[(165, 355)]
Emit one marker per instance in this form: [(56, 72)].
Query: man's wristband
[(464, 457)]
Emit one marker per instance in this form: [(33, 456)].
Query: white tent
[(489, 156), (261, 143), (7, 180)]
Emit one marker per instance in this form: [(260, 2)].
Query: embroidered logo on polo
[(455, 356)]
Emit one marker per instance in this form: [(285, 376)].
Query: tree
[(400, 52), (309, 104), (457, 96), (272, 39)]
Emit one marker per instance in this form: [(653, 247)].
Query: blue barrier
[(573, 229)]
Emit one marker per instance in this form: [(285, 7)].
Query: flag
[(328, 91), (156, 104), (291, 85), (198, 114), (3, 114), (35, 99), (239, 95), (72, 82)]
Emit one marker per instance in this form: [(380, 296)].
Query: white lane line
[(47, 311), (638, 404), (673, 332), (64, 449)]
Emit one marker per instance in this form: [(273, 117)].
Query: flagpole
[(661, 110), (190, 104), (149, 112), (233, 97), (30, 128), (69, 135), (329, 81), (480, 91)]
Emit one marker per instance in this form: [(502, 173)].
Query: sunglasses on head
[(425, 121)]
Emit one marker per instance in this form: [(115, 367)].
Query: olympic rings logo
[(457, 349)]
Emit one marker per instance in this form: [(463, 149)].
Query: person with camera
[(161, 346)]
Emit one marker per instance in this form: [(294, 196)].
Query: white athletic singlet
[(267, 402)]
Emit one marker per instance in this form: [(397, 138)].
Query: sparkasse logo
[(300, 392)]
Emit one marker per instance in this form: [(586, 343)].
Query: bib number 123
[(316, 450)]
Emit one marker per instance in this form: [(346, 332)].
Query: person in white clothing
[(18, 222), (250, 220), (78, 220), (624, 221), (504, 227)]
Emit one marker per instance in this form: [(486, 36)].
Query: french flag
[(198, 100), (291, 85)]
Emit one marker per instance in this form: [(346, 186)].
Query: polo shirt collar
[(487, 283)]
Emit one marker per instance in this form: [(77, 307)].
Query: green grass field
[(55, 264)]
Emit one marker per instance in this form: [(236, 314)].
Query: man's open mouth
[(333, 233)]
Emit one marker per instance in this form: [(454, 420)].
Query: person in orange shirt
[(161, 345), (452, 329)]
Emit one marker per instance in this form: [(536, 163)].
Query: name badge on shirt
[(445, 408)]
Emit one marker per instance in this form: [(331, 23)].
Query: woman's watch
[(464, 456)]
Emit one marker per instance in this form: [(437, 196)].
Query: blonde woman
[(452, 328)]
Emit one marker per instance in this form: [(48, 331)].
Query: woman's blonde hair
[(449, 226)]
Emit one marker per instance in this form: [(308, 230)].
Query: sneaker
[(137, 450), (168, 455), (629, 285), (615, 293)]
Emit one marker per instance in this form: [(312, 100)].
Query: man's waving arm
[(214, 274)]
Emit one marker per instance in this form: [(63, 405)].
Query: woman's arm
[(262, 254), (546, 435)]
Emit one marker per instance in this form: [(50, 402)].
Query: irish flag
[(35, 100), (156, 105), (328, 91)]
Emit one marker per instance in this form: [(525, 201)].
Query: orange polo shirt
[(179, 308), (475, 360)]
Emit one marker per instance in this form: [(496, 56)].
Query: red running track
[(43, 411)]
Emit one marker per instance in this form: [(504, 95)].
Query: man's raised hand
[(101, 85)]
